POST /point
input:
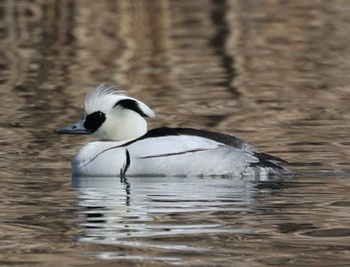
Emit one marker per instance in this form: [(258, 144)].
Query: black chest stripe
[(127, 164), (107, 149)]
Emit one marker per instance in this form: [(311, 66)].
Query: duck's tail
[(270, 163)]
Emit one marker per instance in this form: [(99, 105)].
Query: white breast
[(99, 159)]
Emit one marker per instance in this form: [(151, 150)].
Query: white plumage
[(128, 149)]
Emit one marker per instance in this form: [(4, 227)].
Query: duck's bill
[(77, 128)]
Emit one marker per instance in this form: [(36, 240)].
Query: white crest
[(102, 97)]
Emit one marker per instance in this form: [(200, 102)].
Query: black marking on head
[(132, 105), (94, 120)]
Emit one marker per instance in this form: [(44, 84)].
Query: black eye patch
[(94, 120)]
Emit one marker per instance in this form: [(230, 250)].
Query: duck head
[(110, 114)]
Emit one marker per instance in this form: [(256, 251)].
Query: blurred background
[(275, 73)]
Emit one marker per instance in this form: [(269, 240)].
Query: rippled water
[(272, 72)]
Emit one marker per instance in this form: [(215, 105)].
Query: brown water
[(275, 73)]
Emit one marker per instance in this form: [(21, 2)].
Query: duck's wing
[(172, 149), (186, 155), (221, 138)]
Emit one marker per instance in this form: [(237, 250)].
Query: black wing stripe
[(174, 154)]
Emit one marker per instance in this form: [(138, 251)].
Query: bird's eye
[(94, 120)]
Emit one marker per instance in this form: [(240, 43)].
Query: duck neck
[(131, 128)]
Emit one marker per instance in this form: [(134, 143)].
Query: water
[(273, 72)]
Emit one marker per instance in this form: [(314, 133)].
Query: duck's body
[(160, 151)]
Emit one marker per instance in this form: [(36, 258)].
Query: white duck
[(128, 149)]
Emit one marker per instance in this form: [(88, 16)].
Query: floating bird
[(127, 148)]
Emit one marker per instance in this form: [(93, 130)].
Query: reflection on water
[(177, 220), (163, 213), (274, 73), (287, 222), (114, 206)]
